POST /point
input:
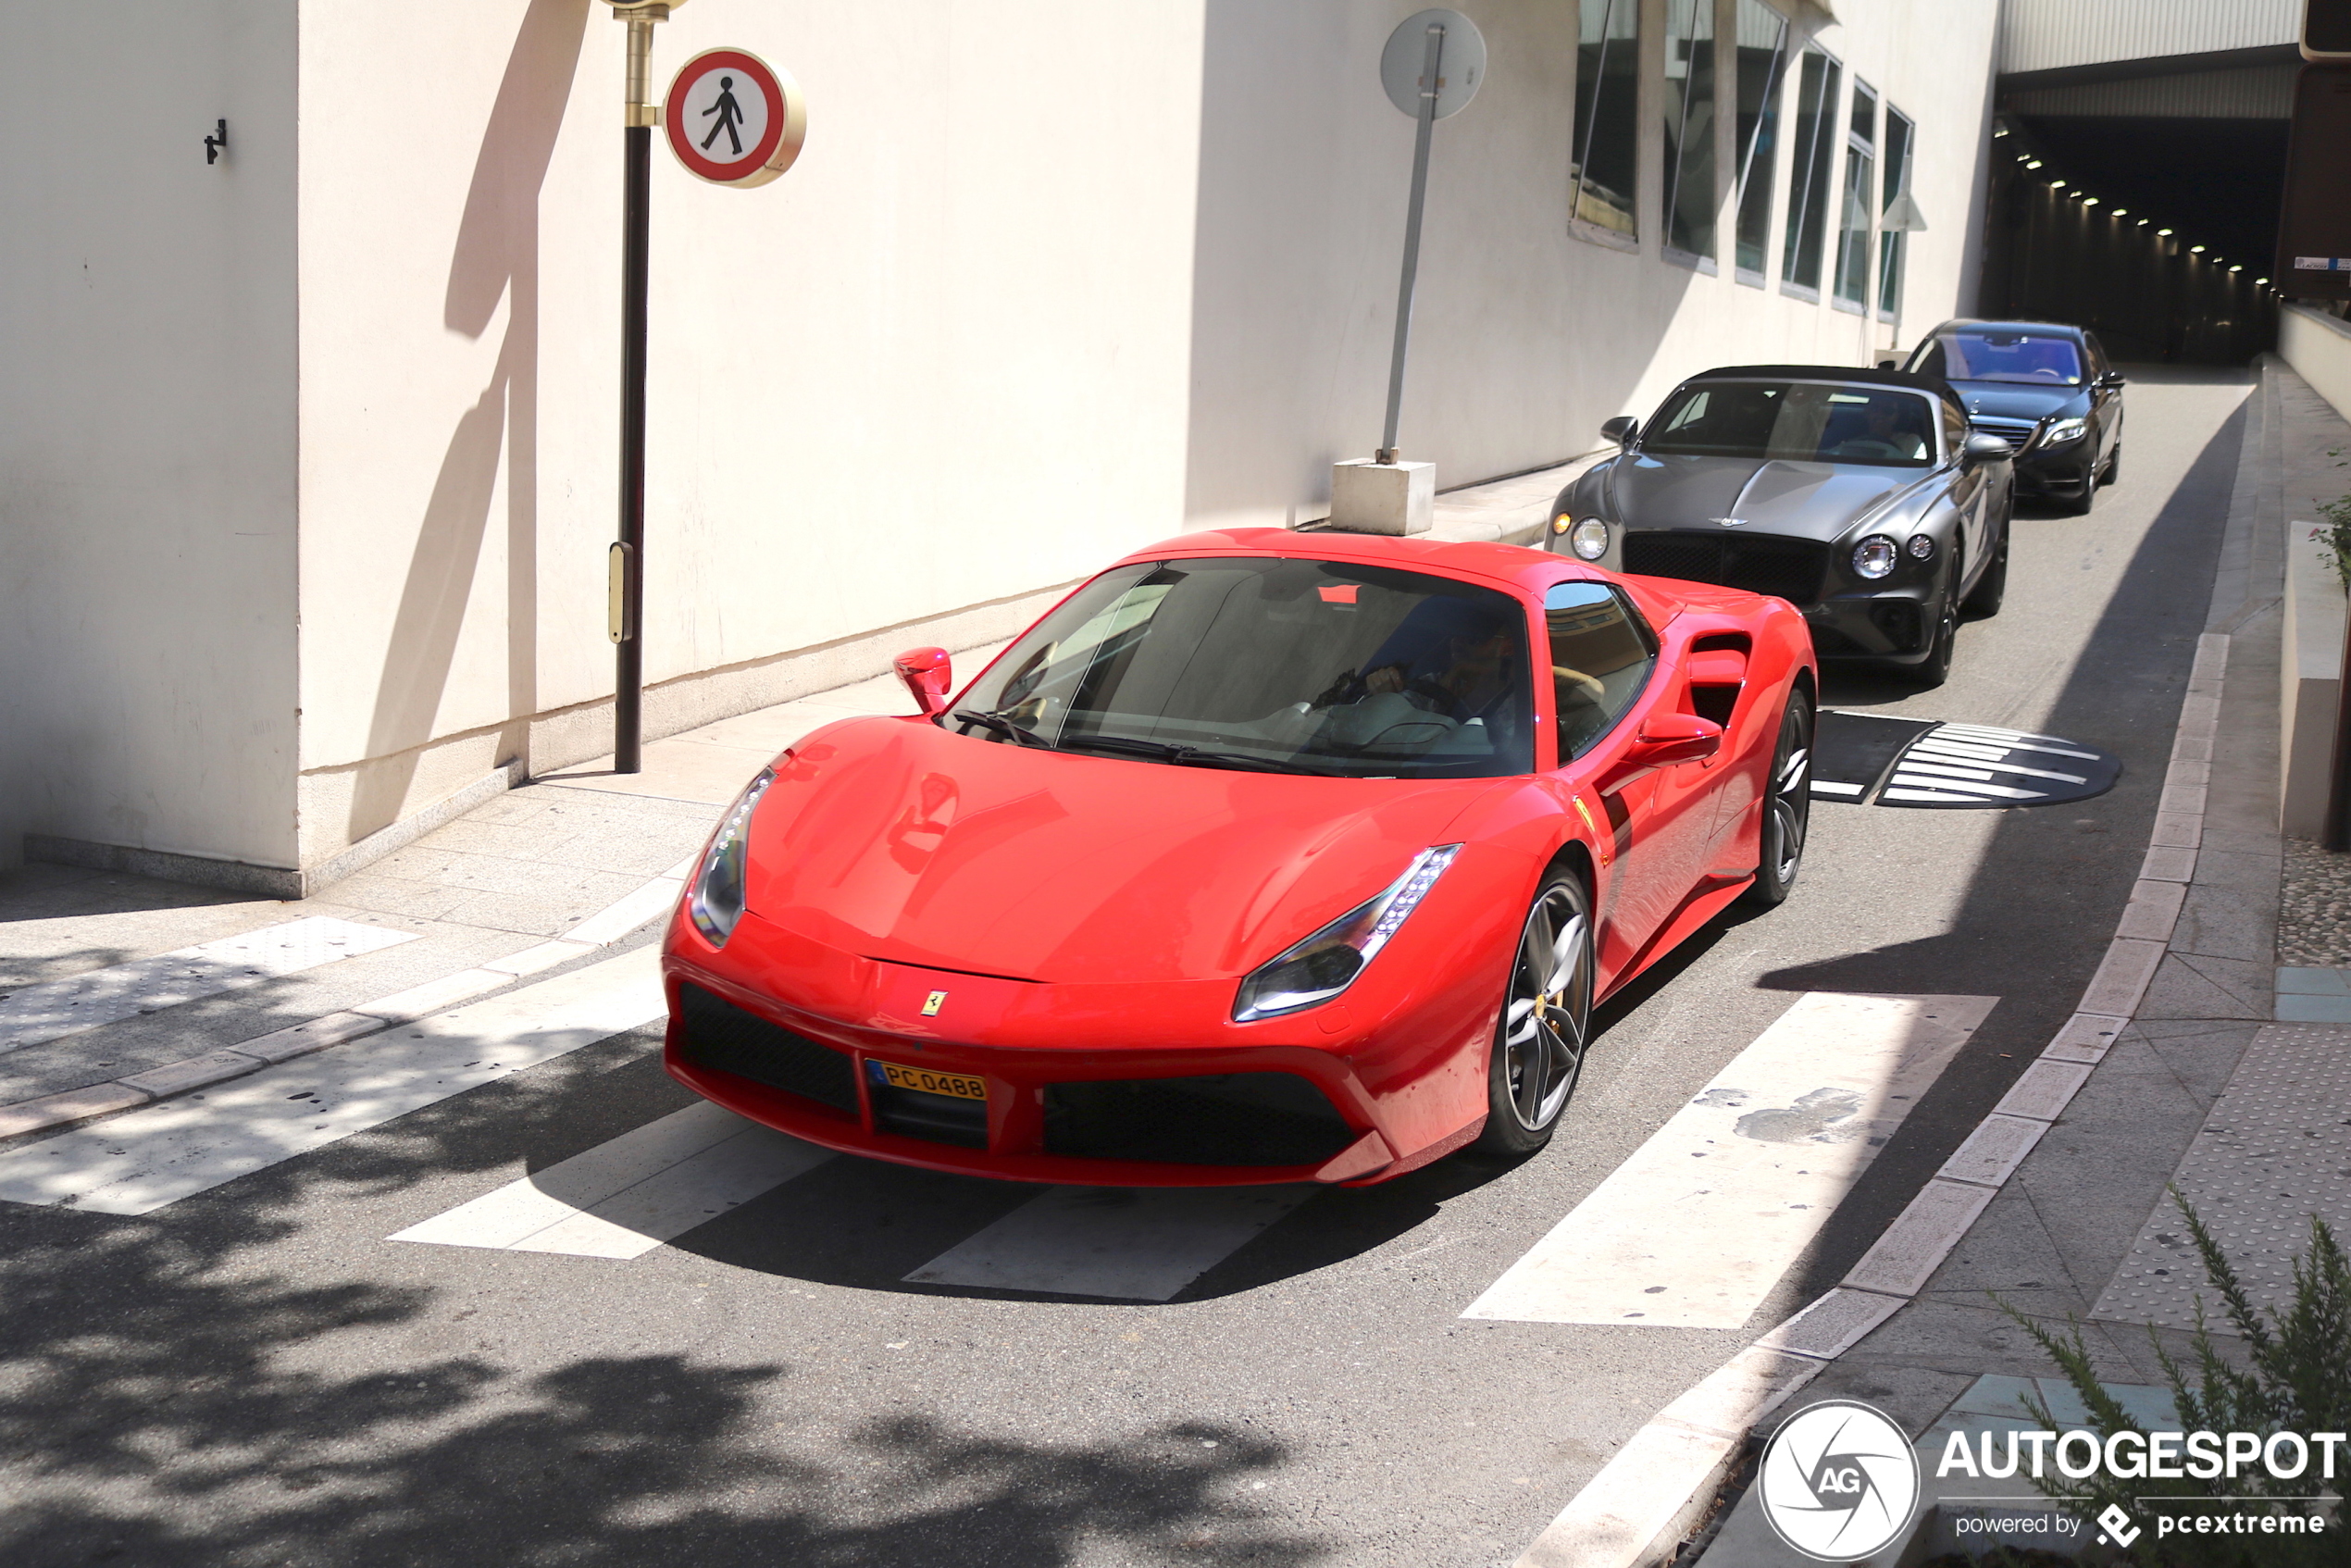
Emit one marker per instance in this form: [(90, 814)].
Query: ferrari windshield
[(1796, 421), (1981, 354), (1270, 664)]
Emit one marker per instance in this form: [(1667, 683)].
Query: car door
[(2105, 397), (1609, 672)]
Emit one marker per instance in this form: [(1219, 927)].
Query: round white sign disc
[(732, 119), (1460, 67)]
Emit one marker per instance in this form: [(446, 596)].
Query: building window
[(1763, 50), (1608, 64), (1689, 130), (1807, 179), (1901, 141), (1855, 221)]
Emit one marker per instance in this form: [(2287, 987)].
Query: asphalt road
[(256, 1376)]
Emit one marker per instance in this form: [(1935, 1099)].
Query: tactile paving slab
[(2275, 1149)]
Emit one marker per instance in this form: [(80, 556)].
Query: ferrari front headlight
[(1874, 557), (1326, 963), (716, 902), (2064, 430), (1589, 539)]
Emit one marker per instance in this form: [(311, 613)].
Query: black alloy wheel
[(2113, 465), (1984, 600), (1787, 805), (1936, 668), (1546, 1023), (2079, 506)]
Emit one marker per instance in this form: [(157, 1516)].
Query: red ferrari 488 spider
[(1263, 857)]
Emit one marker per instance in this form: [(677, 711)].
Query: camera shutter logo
[(1839, 1481)]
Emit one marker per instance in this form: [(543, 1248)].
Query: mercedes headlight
[(2064, 430), (716, 902), (1588, 539), (1875, 556), (1326, 963)]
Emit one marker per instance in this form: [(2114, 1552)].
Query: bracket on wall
[(216, 143)]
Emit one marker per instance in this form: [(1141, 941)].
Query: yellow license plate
[(960, 1085)]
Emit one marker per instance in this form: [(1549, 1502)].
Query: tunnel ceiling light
[(2142, 222), (2032, 163), (2261, 280), (2122, 212), (2166, 232), (2089, 200), (2057, 185), (2237, 269), (2195, 250)]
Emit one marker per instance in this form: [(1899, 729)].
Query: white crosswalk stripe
[(136, 1164), (1138, 1244), (1695, 1229), (624, 1197), (32, 1014)]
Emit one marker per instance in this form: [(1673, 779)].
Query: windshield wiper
[(1185, 756), (996, 724)]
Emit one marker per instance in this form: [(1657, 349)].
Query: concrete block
[(284, 1045), (2168, 864), (2294, 1009), (2184, 798), (55, 1110), (1833, 1324), (2086, 1037), (651, 902), (2178, 829), (1993, 1150), (531, 960), (2044, 1091), (1394, 498), (435, 996), (1915, 1246), (2296, 979), (1661, 1479), (2153, 910), (2188, 770), (178, 1077), (2123, 976), (1737, 1394)]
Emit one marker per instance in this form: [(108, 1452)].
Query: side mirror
[(2111, 379), (1665, 741), (1983, 448), (1620, 429), (930, 674)]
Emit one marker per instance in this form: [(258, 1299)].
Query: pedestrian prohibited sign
[(733, 120)]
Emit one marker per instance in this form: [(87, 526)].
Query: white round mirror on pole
[(1458, 75)]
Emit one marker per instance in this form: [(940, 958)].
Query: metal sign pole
[(1427, 123), (626, 586)]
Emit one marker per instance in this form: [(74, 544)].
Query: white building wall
[(942, 362), (1525, 336), (147, 429)]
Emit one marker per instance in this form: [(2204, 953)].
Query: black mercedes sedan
[(2046, 388), (1859, 496)]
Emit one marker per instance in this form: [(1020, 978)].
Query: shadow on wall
[(1524, 338), (497, 254)]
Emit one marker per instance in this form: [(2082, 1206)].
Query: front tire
[(1787, 805), (1983, 603), (1546, 1024), (1936, 668), (2113, 465)]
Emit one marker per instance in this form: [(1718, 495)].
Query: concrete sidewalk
[(2190, 1082)]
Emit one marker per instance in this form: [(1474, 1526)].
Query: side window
[(1601, 655), (2098, 365), (1954, 429)]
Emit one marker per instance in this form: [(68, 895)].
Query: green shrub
[(2298, 1379), (2335, 534)]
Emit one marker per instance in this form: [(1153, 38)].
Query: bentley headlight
[(1875, 556), (716, 902), (1589, 539), (1326, 963), (2064, 430), (1920, 546)]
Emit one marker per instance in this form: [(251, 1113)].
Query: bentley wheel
[(1984, 601), (1546, 1023), (1936, 668), (1787, 805)]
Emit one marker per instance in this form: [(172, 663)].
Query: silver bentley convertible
[(1862, 497)]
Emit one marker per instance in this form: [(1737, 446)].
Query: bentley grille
[(1793, 569)]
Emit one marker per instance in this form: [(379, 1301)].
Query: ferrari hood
[(900, 840), (1806, 500), (2005, 400)]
